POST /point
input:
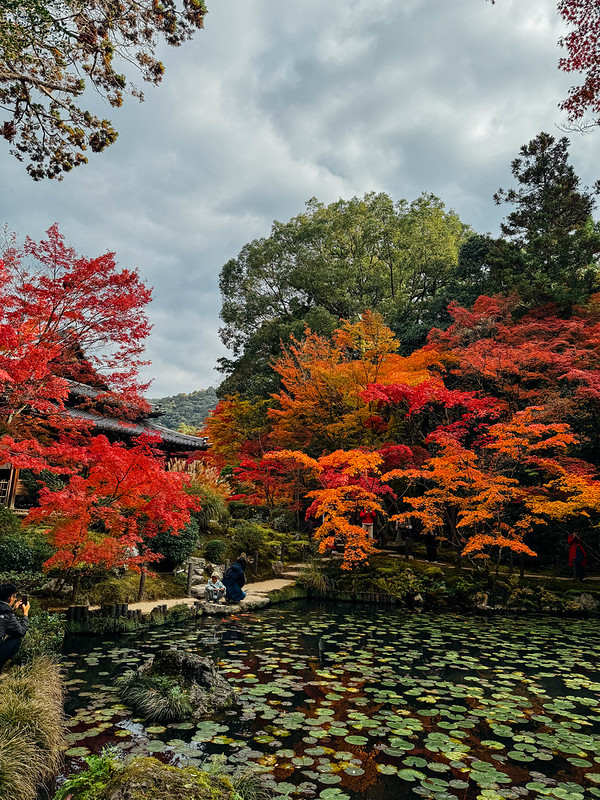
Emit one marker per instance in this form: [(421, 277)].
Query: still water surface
[(345, 703)]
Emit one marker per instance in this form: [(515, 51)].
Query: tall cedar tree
[(551, 245)]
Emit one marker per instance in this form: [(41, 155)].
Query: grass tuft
[(155, 697), (31, 728)]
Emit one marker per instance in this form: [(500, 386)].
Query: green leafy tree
[(334, 262), (176, 548), (551, 245), (51, 50)]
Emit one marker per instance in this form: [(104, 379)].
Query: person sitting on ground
[(12, 629), (234, 579), (214, 590)]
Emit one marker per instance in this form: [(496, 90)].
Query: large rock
[(208, 691), (584, 602), (197, 590), (198, 566)]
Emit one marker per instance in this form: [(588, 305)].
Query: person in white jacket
[(215, 589)]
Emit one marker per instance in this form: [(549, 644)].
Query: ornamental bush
[(20, 553), (215, 551), (176, 548)]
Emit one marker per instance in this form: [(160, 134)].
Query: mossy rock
[(175, 685), (291, 592), (150, 779)]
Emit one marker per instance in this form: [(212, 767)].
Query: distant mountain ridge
[(191, 409)]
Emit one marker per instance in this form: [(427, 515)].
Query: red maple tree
[(64, 317), (105, 514), (65, 321)]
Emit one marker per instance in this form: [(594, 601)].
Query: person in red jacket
[(367, 520), (577, 557)]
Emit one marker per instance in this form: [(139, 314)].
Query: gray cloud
[(275, 103)]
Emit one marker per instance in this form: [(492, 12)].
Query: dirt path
[(258, 589)]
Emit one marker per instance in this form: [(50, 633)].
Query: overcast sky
[(276, 102)]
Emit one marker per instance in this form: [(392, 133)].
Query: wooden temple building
[(86, 402)]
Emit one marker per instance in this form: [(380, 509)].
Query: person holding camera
[(12, 628)]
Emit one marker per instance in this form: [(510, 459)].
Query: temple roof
[(144, 424), (147, 426)]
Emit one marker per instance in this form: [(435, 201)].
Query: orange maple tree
[(321, 407), (492, 493), (350, 483)]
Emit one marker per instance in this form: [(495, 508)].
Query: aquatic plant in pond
[(374, 704)]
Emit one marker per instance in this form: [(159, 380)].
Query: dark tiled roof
[(183, 440), (84, 390)]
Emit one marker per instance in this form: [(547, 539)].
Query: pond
[(346, 703)]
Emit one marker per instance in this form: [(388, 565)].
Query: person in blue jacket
[(234, 579)]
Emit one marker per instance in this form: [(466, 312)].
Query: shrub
[(29, 582), (215, 551), (87, 785), (213, 507), (10, 524), (252, 536), (155, 697), (31, 728), (16, 553), (176, 548), (314, 577), (44, 637)]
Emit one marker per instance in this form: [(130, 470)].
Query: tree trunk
[(76, 581), (142, 586)]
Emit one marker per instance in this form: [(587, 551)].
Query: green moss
[(124, 589), (291, 592), (145, 779)]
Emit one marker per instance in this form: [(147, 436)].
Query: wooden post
[(189, 579)]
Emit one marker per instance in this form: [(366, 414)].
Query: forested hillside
[(189, 409)]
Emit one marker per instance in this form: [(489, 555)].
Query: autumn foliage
[(478, 438), (71, 321), (104, 516)]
